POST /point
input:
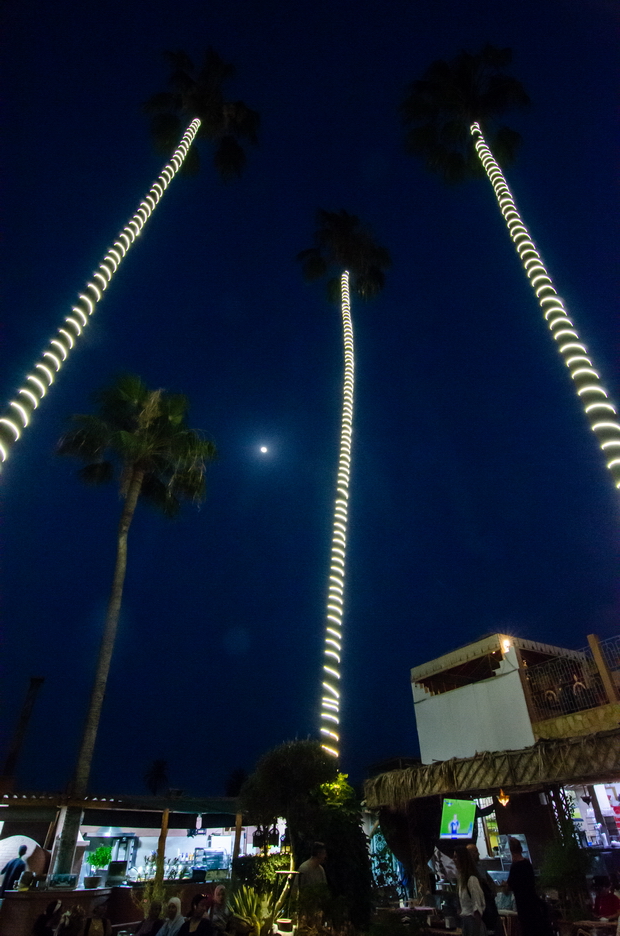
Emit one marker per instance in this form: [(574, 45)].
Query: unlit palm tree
[(156, 776), (199, 99), (143, 436), (445, 114), (342, 244)]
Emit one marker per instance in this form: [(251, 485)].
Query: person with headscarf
[(219, 913), (152, 924), (47, 923), (174, 918)]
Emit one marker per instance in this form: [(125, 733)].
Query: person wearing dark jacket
[(13, 871)]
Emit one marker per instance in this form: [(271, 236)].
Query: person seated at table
[(174, 918), (197, 921), (47, 923), (606, 904), (504, 900), (152, 923), (219, 913), (98, 924)]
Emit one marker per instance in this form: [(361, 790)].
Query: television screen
[(457, 819)]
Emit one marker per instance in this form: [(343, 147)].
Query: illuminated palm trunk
[(17, 413), (330, 701), (588, 387)]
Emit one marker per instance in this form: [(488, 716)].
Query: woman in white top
[(470, 893)]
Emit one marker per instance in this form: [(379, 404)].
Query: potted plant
[(98, 859)]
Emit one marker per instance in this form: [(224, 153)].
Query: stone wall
[(589, 721)]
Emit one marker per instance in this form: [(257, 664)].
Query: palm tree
[(209, 115), (445, 114), (341, 243), (143, 433), (156, 776)]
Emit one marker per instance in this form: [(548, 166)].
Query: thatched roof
[(591, 758)]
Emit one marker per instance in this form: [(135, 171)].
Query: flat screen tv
[(457, 819)]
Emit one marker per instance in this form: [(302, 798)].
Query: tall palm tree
[(445, 114), (208, 114), (142, 434), (341, 243)]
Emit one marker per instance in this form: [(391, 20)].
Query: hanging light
[(503, 798)]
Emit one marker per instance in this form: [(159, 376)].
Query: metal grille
[(565, 685)]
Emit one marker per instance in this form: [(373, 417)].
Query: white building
[(503, 693)]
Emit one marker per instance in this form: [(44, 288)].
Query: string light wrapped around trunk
[(17, 414), (330, 702), (593, 396)]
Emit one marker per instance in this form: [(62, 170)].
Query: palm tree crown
[(342, 242), (198, 93), (440, 108), (141, 431)]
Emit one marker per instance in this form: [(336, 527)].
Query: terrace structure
[(504, 693)]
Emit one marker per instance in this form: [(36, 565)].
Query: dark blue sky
[(479, 500)]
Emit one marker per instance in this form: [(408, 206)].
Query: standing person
[(491, 914), (197, 921), (311, 872), (13, 871), (470, 893), (521, 881), (174, 918)]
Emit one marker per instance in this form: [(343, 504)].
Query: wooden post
[(608, 682), (238, 827), (161, 852)]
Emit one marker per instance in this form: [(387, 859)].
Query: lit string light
[(593, 396), (17, 413), (330, 702)]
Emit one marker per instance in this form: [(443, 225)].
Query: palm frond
[(97, 473), (229, 158)]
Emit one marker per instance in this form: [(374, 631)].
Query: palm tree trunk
[(592, 394), (68, 837), (17, 413), (330, 702)]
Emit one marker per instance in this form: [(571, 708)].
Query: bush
[(259, 872)]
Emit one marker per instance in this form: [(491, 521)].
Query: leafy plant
[(564, 867), (100, 857), (259, 872), (260, 911)]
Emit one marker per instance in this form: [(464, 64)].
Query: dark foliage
[(199, 92), (440, 108), (343, 243)]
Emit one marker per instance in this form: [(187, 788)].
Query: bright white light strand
[(330, 702), (593, 396), (17, 413)]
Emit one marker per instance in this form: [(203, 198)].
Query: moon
[(264, 449)]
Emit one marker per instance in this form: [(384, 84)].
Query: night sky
[(479, 499)]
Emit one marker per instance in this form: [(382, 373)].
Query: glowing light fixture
[(586, 378), (503, 798), (330, 704), (59, 347), (506, 644)]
